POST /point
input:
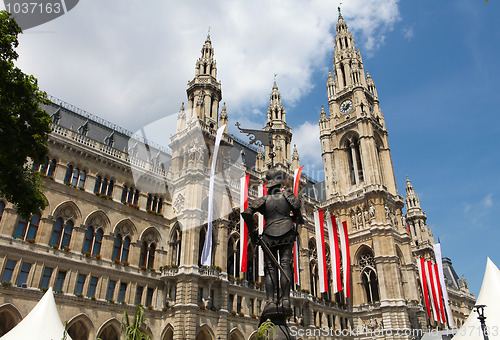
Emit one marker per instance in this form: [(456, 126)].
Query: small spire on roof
[(208, 35), (340, 14)]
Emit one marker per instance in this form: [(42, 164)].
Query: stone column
[(9, 221)]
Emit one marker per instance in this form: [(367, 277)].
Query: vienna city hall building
[(127, 219)]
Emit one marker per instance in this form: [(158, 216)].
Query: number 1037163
[(33, 7)]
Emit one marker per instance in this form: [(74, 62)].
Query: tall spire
[(295, 158), (422, 238), (204, 91), (281, 132), (275, 110)]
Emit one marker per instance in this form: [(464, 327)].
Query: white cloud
[(306, 137), (487, 202), (129, 62), (408, 33)]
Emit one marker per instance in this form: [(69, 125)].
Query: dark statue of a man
[(281, 211)]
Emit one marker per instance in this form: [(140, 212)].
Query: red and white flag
[(432, 290), (243, 227), (333, 236), (296, 182), (440, 294), (423, 282), (346, 258), (262, 191), (320, 246), (439, 262)]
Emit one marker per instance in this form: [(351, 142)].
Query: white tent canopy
[(42, 323), (489, 296)]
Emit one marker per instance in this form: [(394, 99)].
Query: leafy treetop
[(24, 126)]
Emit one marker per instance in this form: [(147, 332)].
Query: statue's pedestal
[(278, 316)]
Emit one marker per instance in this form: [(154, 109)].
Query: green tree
[(24, 126), (133, 330)]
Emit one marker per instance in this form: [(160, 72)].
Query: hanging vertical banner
[(262, 191), (296, 180), (346, 258), (296, 272), (432, 290), (439, 262), (440, 294), (206, 255), (408, 229), (423, 283), (243, 227), (333, 236), (320, 246)]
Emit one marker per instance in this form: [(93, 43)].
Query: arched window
[(370, 283), (313, 267), (124, 194), (125, 249), (154, 204), (47, 168), (369, 278), (61, 237), (27, 229), (175, 245), (117, 247), (147, 256), (151, 255), (75, 177), (96, 249), (130, 195), (201, 243), (121, 248), (93, 240), (233, 255), (252, 263), (353, 154), (144, 254)]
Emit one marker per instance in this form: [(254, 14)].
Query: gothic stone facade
[(126, 221)]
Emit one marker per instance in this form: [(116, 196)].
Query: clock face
[(346, 106)]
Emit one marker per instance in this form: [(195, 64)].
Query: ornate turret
[(281, 132), (422, 238), (223, 119), (181, 119), (295, 158), (204, 91)]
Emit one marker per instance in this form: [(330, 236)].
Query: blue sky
[(434, 64)]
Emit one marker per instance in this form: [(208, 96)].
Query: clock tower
[(361, 189)]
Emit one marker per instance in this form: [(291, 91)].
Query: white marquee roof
[(42, 323), (489, 296)]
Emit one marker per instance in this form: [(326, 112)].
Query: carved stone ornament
[(372, 211), (68, 213), (178, 203), (96, 221), (125, 229)]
